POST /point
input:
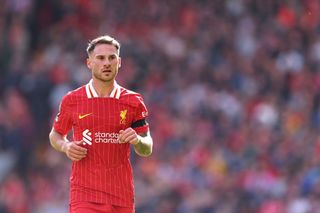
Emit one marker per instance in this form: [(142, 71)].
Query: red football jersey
[(105, 174)]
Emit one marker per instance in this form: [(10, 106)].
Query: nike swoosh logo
[(85, 115)]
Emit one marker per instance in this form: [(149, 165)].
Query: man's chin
[(106, 80)]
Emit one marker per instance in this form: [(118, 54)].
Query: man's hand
[(74, 151), (142, 143), (128, 135)]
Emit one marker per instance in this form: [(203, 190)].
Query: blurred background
[(232, 86)]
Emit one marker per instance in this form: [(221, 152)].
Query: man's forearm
[(57, 141), (144, 146)]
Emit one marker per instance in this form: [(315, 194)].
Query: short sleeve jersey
[(105, 174)]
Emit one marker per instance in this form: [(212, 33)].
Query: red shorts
[(90, 207)]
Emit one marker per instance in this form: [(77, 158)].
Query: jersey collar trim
[(116, 91), (92, 90), (92, 93)]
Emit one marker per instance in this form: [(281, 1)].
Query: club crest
[(123, 116)]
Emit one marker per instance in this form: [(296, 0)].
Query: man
[(106, 119)]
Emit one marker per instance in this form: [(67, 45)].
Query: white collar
[(92, 93)]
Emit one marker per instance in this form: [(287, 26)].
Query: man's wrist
[(138, 141), (64, 146)]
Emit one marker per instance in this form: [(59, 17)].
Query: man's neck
[(103, 89)]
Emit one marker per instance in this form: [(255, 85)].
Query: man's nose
[(106, 62)]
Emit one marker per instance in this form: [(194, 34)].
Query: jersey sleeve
[(63, 121), (139, 123)]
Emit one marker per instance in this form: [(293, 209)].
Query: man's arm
[(73, 150), (142, 143), (57, 141)]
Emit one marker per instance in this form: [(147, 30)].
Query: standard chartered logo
[(99, 137), (106, 137), (86, 137)]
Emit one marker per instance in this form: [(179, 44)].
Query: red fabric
[(89, 207), (105, 174)]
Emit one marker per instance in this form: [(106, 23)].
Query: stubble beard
[(105, 79)]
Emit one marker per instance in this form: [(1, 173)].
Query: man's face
[(104, 62)]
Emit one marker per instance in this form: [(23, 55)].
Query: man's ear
[(89, 63), (119, 62)]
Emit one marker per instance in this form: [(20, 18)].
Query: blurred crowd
[(232, 86)]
